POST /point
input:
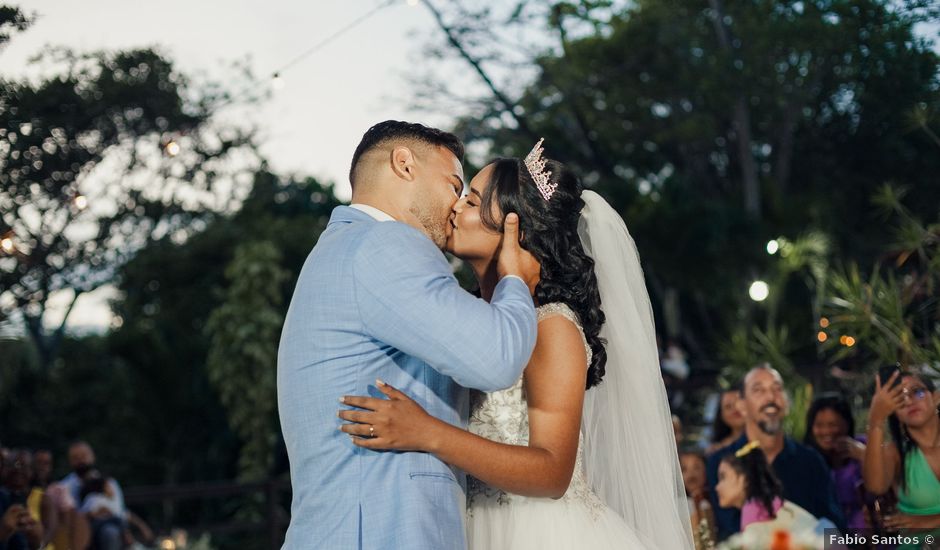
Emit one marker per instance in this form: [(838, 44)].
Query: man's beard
[(770, 427), (434, 229)]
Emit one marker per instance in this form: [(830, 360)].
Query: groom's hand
[(515, 260)]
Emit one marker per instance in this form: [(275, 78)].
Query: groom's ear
[(404, 162)]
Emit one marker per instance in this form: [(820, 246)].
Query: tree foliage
[(242, 360), (714, 127), (105, 153)]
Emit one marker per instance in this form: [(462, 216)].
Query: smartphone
[(885, 372)]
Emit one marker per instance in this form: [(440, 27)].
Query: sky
[(310, 126)]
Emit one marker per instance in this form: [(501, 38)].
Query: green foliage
[(715, 126), (170, 168), (892, 313), (749, 348), (12, 20), (801, 397), (242, 358)]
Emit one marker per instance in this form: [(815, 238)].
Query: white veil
[(630, 449)]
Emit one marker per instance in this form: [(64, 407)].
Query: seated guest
[(98, 498), (911, 460), (729, 422), (747, 483), (700, 508), (801, 470), (105, 533), (40, 503), (19, 529), (829, 429)]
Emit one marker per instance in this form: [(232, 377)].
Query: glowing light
[(81, 202), (822, 336), (772, 247), (759, 291), (277, 82), (824, 322), (172, 148), (849, 341), (7, 244)]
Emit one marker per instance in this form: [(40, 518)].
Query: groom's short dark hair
[(398, 130)]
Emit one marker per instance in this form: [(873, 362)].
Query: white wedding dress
[(497, 520)]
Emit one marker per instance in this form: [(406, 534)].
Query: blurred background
[(167, 167)]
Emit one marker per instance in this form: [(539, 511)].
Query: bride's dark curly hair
[(550, 232)]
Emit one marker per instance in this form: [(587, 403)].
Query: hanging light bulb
[(81, 202), (759, 291), (172, 148), (7, 244)]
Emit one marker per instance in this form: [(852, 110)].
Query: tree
[(242, 360), (891, 315), (12, 20), (714, 127), (107, 152), (169, 292)]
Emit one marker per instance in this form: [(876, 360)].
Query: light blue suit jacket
[(379, 300)]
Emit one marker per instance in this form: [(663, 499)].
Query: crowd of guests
[(84, 510), (753, 479)]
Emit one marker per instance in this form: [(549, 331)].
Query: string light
[(81, 202), (772, 247), (334, 36), (824, 322), (277, 81), (7, 244), (822, 336), (759, 291), (172, 148)]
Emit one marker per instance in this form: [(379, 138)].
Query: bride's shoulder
[(557, 308)]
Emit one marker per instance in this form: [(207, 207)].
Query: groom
[(376, 299)]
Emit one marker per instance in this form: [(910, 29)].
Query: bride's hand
[(396, 423)]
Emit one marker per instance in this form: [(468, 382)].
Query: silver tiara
[(536, 166)]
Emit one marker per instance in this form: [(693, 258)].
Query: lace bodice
[(503, 416)]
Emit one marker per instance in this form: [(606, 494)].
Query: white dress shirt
[(373, 211)]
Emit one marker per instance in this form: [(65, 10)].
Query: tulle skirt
[(547, 524)]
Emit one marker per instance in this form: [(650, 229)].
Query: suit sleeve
[(409, 299)]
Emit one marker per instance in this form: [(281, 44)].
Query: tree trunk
[(47, 345), (741, 122)]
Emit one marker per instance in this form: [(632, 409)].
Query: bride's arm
[(554, 385)]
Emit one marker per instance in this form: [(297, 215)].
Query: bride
[(580, 452)]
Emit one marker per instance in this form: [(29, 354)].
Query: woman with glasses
[(911, 459)]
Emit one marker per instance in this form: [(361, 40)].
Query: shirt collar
[(373, 211)]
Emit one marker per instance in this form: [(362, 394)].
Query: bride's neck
[(487, 277)]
